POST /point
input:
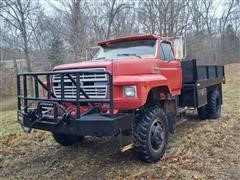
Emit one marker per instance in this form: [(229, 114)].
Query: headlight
[(129, 91)]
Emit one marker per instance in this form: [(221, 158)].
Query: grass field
[(198, 149)]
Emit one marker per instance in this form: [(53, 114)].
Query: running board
[(181, 115), (181, 110)]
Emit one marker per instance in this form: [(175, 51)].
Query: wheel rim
[(157, 135)]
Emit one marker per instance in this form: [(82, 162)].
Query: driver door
[(170, 67)]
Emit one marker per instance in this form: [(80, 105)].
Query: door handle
[(156, 68), (176, 63)]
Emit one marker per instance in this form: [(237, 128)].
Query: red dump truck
[(132, 86)]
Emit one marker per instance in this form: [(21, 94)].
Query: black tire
[(151, 134), (202, 112), (214, 104), (67, 140)]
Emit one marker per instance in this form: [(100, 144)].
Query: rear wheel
[(67, 140), (151, 134), (214, 104)]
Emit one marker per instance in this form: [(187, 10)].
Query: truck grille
[(95, 85)]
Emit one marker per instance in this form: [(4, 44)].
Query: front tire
[(67, 140), (151, 134)]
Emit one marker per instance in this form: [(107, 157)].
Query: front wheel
[(151, 134)]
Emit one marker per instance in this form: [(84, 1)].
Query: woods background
[(38, 34)]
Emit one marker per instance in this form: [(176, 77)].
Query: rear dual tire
[(202, 112), (214, 105), (212, 109)]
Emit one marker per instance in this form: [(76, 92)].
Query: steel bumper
[(89, 125)]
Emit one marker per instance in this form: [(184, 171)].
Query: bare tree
[(125, 23), (147, 15), (103, 18), (166, 18), (115, 8), (75, 25), (228, 10), (17, 13)]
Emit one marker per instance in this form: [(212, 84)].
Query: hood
[(86, 64), (135, 66), (126, 66)]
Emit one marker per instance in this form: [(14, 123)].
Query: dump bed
[(198, 81), (193, 73)]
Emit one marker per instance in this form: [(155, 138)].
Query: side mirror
[(179, 47)]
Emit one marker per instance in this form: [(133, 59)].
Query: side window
[(166, 52)]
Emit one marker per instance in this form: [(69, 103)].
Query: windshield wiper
[(126, 54), (100, 58)]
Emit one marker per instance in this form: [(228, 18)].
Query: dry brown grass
[(198, 150)]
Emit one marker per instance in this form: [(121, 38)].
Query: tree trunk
[(25, 42), (76, 30), (110, 19), (15, 65)]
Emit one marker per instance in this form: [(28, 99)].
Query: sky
[(218, 4), (219, 7)]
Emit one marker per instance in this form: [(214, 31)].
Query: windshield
[(137, 48)]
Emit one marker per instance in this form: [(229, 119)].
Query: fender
[(144, 84)]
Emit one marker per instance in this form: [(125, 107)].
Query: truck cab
[(138, 64), (133, 84)]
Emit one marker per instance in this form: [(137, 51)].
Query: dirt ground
[(198, 150)]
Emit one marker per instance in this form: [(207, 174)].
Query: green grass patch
[(8, 103), (9, 123), (8, 116)]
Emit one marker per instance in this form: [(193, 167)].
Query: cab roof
[(127, 38)]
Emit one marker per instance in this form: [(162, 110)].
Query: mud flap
[(171, 122)]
